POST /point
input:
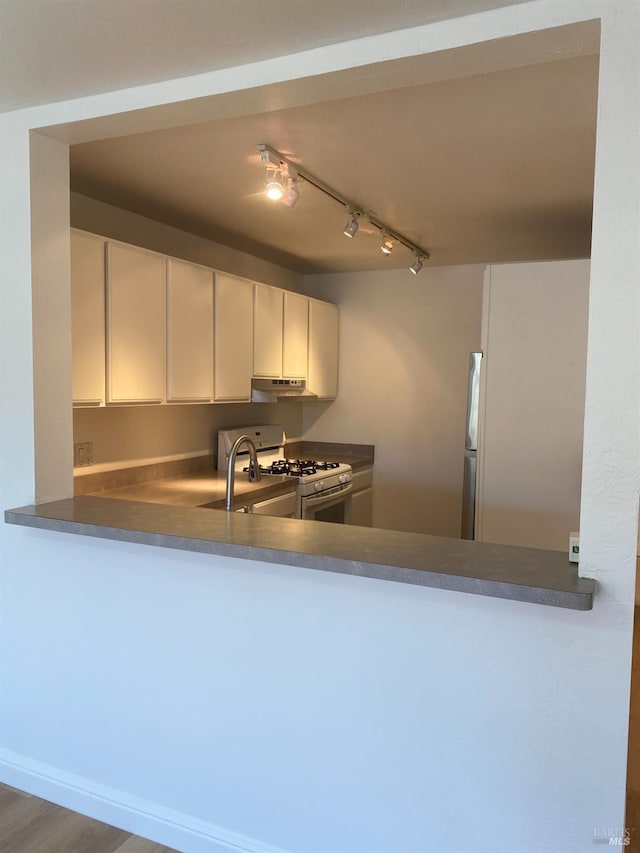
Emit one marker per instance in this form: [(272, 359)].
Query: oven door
[(333, 505)]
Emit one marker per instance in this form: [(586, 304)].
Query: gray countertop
[(522, 574), (207, 489)]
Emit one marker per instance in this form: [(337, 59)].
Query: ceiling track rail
[(275, 158)]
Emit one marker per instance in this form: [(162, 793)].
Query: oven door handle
[(330, 497)]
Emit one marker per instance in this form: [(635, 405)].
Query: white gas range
[(323, 489)]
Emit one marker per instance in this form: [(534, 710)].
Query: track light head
[(417, 265), (351, 228), (386, 247), (275, 187), (292, 194)]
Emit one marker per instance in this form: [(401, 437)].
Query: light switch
[(82, 454)]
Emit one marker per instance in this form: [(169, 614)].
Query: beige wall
[(50, 298), (404, 354), (127, 434)]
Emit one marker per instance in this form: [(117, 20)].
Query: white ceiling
[(475, 166), (488, 168), (53, 50)]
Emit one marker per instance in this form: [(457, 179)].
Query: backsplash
[(132, 436), (135, 475)]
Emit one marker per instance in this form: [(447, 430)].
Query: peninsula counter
[(500, 571)]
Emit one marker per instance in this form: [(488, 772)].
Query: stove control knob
[(342, 478), (318, 485)]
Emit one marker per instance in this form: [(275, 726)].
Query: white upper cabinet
[(87, 319), (136, 325), (147, 328), (323, 349), (280, 333), (233, 337), (189, 332), (267, 334), (295, 336)]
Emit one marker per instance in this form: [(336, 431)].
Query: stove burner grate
[(296, 467)]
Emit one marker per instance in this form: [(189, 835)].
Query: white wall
[(195, 698), (308, 711), (404, 355)]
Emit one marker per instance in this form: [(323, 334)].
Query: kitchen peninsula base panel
[(499, 571)]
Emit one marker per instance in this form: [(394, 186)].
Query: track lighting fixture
[(386, 247), (277, 172), (351, 228), (291, 196), (281, 171)]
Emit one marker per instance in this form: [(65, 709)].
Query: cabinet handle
[(189, 399), (134, 402)]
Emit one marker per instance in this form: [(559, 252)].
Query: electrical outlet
[(574, 547), (82, 454)]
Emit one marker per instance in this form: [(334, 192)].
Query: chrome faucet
[(254, 468)]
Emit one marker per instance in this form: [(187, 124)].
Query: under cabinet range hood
[(280, 391)]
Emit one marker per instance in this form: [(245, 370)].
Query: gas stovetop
[(296, 467), (312, 476)]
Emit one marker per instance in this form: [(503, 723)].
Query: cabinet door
[(362, 498), (362, 508), (189, 332), (87, 319), (136, 325), (295, 336), (323, 349), (267, 334), (233, 338)]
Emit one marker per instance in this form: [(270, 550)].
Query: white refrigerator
[(530, 405)]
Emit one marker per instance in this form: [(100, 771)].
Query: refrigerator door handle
[(471, 449), (473, 401)]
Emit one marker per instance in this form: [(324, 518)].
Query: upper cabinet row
[(147, 328)]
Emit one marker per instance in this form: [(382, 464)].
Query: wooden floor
[(31, 825)]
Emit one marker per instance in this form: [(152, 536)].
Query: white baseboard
[(123, 810)]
